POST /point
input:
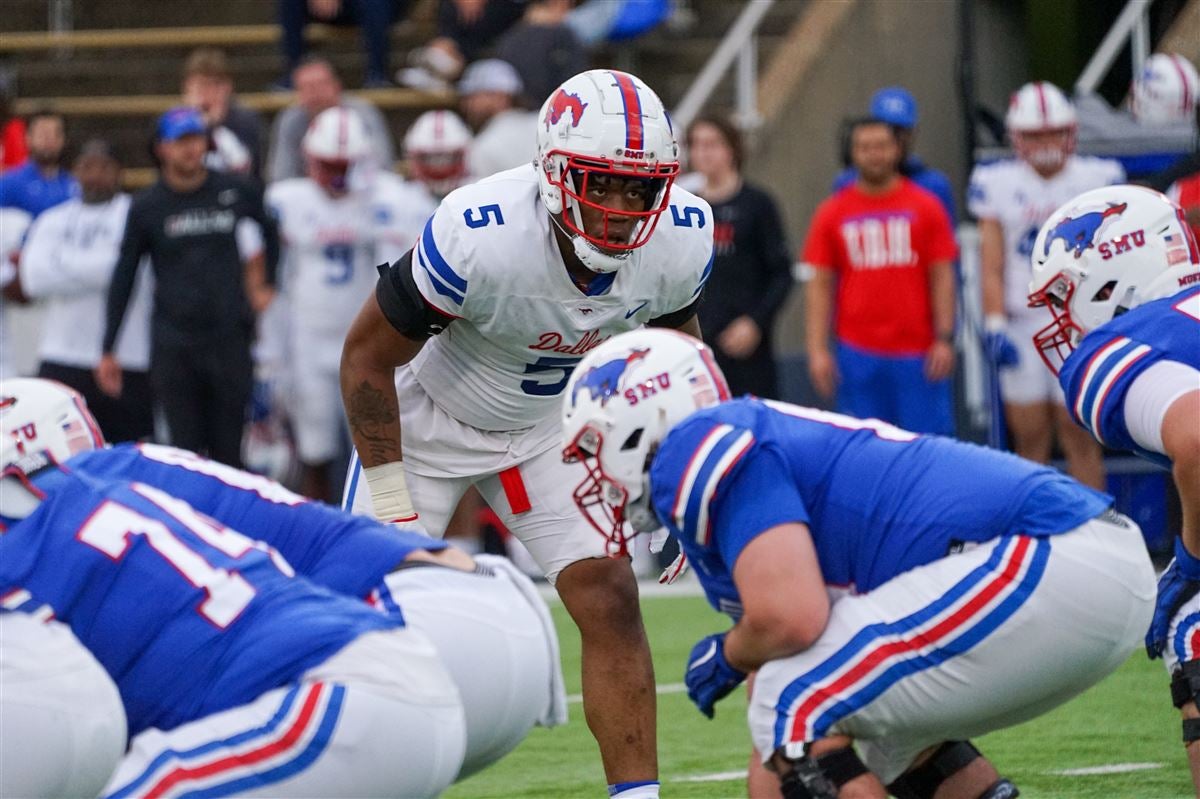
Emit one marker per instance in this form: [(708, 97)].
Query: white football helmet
[(1037, 109), (1164, 92), (436, 148), (604, 122), (335, 144), (1102, 253), (620, 403), (37, 416)]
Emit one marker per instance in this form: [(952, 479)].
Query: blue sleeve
[(716, 489), (7, 192), (1095, 380), (843, 179), (752, 499), (347, 554)]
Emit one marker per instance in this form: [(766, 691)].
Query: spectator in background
[(374, 17), (465, 28), (599, 21), (13, 224), (881, 252), (317, 88), (505, 134), (204, 298), (435, 148), (337, 224), (1012, 199), (544, 50), (68, 262), (897, 107), (12, 128), (41, 182), (752, 266), (235, 132)]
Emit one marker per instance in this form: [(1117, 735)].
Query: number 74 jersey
[(489, 259), (1096, 377)]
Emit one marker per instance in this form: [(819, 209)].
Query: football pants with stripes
[(496, 638), (62, 725), (381, 718), (1182, 657), (974, 642)]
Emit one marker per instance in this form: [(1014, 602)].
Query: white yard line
[(1111, 768), (666, 688), (720, 776)]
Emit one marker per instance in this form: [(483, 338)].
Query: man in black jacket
[(205, 298)]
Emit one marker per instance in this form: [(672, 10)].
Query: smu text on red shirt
[(881, 247)]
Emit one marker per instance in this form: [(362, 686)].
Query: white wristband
[(995, 323), (389, 492)]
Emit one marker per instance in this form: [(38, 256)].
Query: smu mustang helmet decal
[(603, 381), (1079, 233)]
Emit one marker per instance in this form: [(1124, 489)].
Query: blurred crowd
[(208, 309)]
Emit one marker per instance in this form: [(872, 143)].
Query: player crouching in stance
[(1119, 271), (899, 592), (471, 609), (237, 676)]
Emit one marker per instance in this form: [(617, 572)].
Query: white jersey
[(13, 224), (68, 261), (489, 258), (1021, 200), (331, 246)]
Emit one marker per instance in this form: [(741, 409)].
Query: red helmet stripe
[(1041, 91), (633, 111)]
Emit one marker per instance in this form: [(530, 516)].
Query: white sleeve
[(1151, 395), (45, 272), (441, 263), (981, 193)]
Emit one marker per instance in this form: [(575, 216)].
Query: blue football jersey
[(1097, 375), (877, 500), (347, 554), (188, 617)]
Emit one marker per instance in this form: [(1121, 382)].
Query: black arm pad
[(676, 318), (402, 303)]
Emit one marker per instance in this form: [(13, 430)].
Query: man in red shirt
[(881, 252)]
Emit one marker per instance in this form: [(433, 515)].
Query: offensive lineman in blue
[(349, 555), (898, 592), (1119, 271), (237, 677)]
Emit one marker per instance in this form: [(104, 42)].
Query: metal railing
[(740, 43), (1133, 23)]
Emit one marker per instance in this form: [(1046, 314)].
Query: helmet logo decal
[(561, 103), (603, 382), (1079, 233)]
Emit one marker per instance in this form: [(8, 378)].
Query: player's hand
[(740, 338), (709, 676), (108, 375), (1179, 585), (674, 571), (1000, 349), (822, 370), (939, 361)]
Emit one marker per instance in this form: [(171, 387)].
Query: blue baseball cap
[(179, 122), (896, 106)]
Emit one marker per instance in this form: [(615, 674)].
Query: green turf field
[(1125, 720)]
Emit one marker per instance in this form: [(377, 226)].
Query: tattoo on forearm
[(370, 417)]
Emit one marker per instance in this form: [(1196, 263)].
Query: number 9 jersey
[(489, 260)]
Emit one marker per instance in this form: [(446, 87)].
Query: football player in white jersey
[(436, 148), (1011, 199), (512, 282), (337, 224)]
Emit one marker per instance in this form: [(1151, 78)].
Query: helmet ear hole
[(633, 440), (1104, 292)]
